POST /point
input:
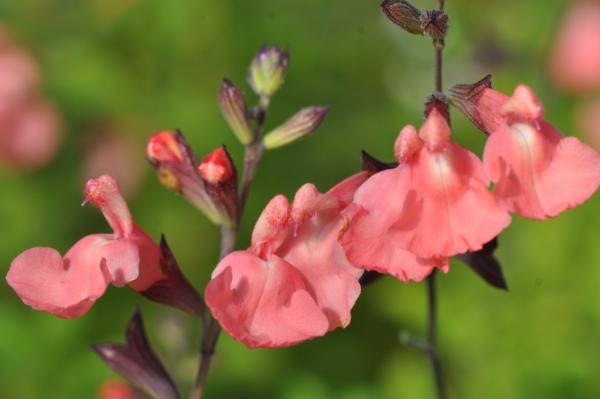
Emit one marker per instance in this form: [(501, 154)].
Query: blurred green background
[(140, 66)]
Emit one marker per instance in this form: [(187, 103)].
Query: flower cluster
[(299, 278)]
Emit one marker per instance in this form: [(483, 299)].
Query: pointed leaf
[(486, 265), (137, 362)]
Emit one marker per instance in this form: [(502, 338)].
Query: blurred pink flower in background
[(587, 116), (575, 59), (114, 153), (30, 127)]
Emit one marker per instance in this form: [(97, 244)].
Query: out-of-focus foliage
[(147, 65)]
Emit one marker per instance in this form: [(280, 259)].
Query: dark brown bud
[(435, 24), (466, 96), (403, 14), (439, 102), (137, 362)]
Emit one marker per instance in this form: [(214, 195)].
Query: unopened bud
[(220, 177), (404, 14), (177, 170), (233, 106), (435, 23), (466, 96), (303, 123), (164, 146), (217, 166), (267, 71)]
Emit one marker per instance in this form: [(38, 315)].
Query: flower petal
[(46, 282), (538, 172), (263, 303), (449, 197), (377, 250), (315, 251)]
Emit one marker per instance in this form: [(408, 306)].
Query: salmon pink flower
[(537, 172), (68, 286), (294, 282), (435, 204), (575, 60)]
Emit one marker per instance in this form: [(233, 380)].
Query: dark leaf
[(137, 363), (174, 290), (373, 165), (486, 265), (369, 277)]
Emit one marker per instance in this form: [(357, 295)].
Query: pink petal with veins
[(263, 303)]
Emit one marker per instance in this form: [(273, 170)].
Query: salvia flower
[(294, 282), (211, 186), (537, 172), (68, 286), (267, 70), (435, 204)]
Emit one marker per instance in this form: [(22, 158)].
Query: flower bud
[(233, 106), (220, 176), (465, 98), (404, 14), (177, 170), (435, 24), (137, 363), (267, 71), (303, 123)]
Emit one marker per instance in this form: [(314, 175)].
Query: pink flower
[(408, 220), (30, 133), (30, 127), (575, 60), (294, 282), (68, 286), (538, 172), (114, 152)]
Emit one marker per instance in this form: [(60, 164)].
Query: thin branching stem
[(210, 327)]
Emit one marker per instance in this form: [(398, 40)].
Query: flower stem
[(210, 327), (432, 351)]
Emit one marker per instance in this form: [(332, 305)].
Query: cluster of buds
[(210, 185), (266, 75), (411, 19)]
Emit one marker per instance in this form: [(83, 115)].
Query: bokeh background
[(118, 70)]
